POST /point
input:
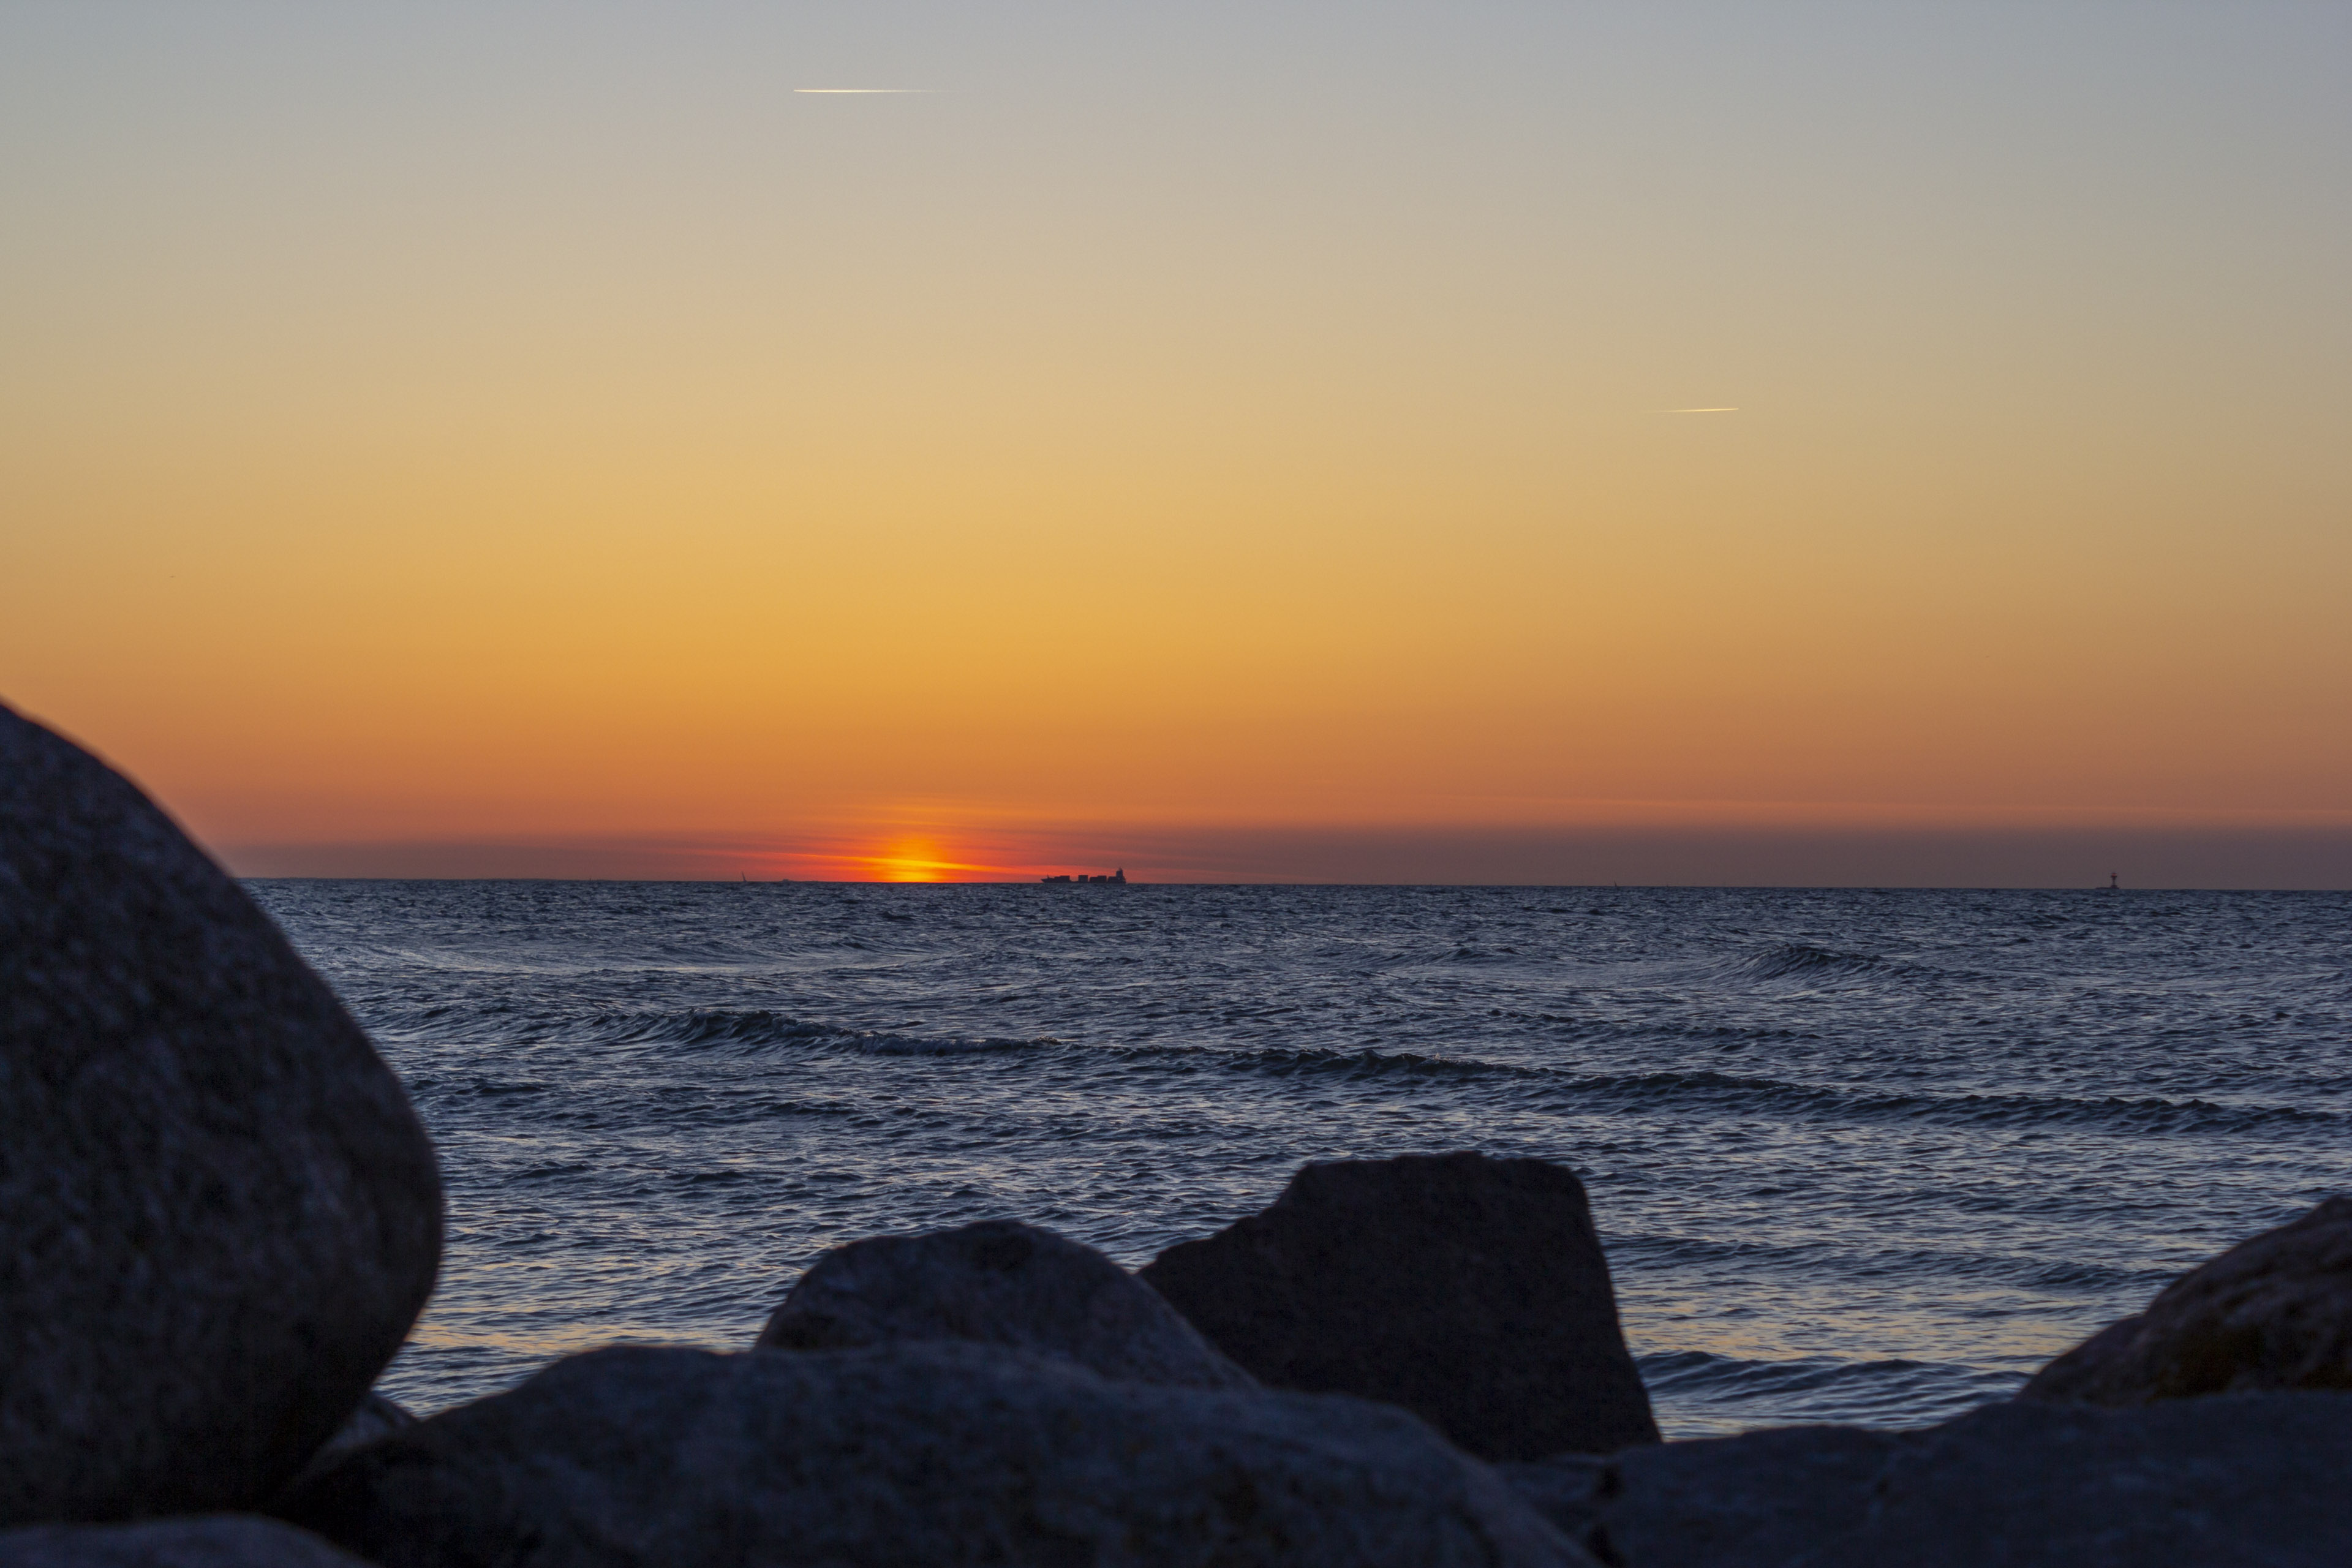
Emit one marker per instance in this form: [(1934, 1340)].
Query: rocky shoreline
[(222, 1218)]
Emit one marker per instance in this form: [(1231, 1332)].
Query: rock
[(2274, 1311), (998, 1282), (2253, 1479), (2240, 1479), (940, 1454), (214, 1540), (1472, 1291), (1763, 1495), (1761, 1498), (218, 1215), (376, 1417), (1570, 1490)]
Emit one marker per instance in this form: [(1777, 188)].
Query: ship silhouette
[(1117, 878)]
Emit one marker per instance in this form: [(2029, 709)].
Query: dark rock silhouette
[(214, 1540), (2255, 1479), (376, 1417), (2274, 1311), (218, 1215), (1761, 1498), (998, 1282), (1472, 1291), (940, 1454)]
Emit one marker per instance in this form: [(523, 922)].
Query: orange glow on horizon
[(903, 861), (909, 860)]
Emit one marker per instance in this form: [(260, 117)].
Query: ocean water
[(1866, 1157)]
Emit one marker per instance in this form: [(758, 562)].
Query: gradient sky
[(484, 437)]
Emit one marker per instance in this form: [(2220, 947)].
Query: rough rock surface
[(212, 1540), (376, 1417), (1472, 1291), (1762, 1498), (2274, 1311), (940, 1454), (2240, 1479), (998, 1282), (218, 1215)]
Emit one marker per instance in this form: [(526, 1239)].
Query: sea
[(1858, 1157)]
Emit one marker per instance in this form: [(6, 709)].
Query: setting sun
[(920, 860), (912, 861)]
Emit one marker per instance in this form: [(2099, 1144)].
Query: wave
[(746, 1028), (475, 1085), (1280, 1061), (1465, 953), (1814, 965), (881, 1043), (1701, 1090), (758, 1027), (1826, 1260), (1710, 1395), (2142, 1114), (1686, 1092), (707, 1026)]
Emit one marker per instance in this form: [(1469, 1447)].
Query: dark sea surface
[(1855, 1155)]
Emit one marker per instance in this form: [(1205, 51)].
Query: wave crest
[(1717, 1395), (1815, 965)]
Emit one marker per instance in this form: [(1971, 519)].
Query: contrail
[(865, 90), (1694, 410)]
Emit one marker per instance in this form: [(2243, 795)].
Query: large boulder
[(1472, 1291), (2242, 1479), (218, 1215), (2274, 1311), (1762, 1498), (941, 1454), (376, 1417), (998, 1282), (213, 1540)]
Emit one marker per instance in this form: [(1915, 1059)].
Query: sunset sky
[(1226, 441)]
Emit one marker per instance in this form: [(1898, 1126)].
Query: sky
[(1223, 442)]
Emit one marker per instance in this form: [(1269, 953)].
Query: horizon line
[(1303, 882)]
